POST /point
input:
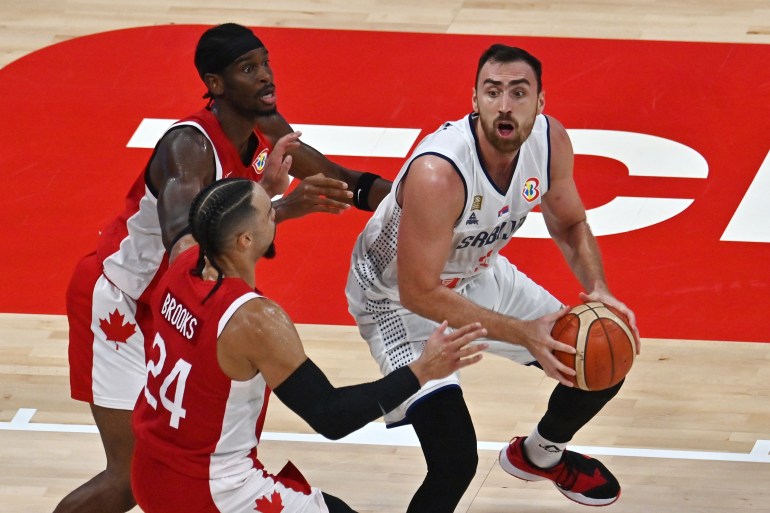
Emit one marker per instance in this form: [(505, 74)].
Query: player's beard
[(264, 113), (508, 145), (255, 112)]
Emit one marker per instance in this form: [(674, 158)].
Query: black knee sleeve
[(445, 430), (570, 408)]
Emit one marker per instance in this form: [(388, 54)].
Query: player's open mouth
[(268, 96), (505, 129)]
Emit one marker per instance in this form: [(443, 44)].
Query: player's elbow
[(413, 295), (334, 433), (330, 427), (409, 302)]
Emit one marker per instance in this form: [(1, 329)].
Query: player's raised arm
[(364, 190)]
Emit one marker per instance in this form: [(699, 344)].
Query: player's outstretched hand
[(275, 176), (316, 193), (445, 353)]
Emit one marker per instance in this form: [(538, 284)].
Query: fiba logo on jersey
[(259, 162), (530, 190)]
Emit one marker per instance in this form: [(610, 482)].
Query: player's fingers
[(460, 352), (470, 350), (327, 204), (329, 210), (320, 195), (286, 164), (558, 371), (320, 180), (632, 323), (552, 318), (464, 330), (557, 366), (564, 381), (336, 194), (313, 189), (456, 343), (555, 345), (291, 138), (284, 143), (468, 361)]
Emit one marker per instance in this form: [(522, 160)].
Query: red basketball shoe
[(580, 478)]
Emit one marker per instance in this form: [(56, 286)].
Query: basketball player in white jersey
[(431, 252), (218, 351)]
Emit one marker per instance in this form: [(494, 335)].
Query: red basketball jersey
[(191, 416), (131, 247)]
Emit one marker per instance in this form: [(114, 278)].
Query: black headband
[(220, 46)]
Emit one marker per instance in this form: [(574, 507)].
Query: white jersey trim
[(134, 265), (232, 308)]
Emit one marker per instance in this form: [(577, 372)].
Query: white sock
[(541, 451)]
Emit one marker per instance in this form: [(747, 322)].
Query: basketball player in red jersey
[(239, 134), (218, 351)]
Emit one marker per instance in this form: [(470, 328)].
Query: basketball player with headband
[(235, 135)]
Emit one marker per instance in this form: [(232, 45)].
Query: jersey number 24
[(179, 374)]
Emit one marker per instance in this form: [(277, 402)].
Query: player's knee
[(457, 464), (607, 394), (466, 466)]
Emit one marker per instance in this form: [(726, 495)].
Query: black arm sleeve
[(336, 412)]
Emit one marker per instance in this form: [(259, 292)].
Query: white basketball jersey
[(489, 218)]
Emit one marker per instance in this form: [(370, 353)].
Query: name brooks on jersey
[(176, 314)]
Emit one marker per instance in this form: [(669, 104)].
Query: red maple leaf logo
[(272, 505), (114, 329)]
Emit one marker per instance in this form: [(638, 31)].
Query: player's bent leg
[(110, 490), (570, 408), (580, 478), (448, 440)]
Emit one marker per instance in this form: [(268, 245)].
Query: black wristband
[(361, 191)]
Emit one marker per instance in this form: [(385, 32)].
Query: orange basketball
[(604, 343)]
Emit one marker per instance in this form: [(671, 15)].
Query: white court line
[(376, 433), (351, 141)]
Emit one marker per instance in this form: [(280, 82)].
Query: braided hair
[(215, 213)]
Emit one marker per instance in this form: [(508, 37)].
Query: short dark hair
[(215, 213), (504, 53)]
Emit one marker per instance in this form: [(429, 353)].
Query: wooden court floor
[(687, 430), (690, 432)]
